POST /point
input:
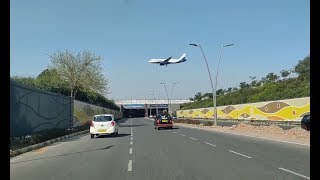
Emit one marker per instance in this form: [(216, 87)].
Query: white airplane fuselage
[(168, 60)]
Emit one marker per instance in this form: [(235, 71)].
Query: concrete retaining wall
[(282, 110)]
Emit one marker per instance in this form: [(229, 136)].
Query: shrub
[(197, 122), (190, 121), (209, 123)]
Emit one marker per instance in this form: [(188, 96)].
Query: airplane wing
[(167, 60)]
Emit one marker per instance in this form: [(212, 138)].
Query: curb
[(43, 144), (261, 122)]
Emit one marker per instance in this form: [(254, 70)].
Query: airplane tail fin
[(183, 56)]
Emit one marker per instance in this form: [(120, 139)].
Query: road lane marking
[(130, 165), (131, 135), (283, 169), (182, 134), (240, 154), (175, 132), (193, 138), (130, 151), (210, 144), (131, 138), (131, 143), (248, 136)]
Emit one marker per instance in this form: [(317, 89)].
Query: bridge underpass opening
[(134, 113)]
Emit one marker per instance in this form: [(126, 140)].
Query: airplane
[(167, 61)]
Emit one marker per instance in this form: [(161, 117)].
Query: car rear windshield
[(164, 117), (102, 118)]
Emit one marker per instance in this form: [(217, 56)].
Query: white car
[(103, 124)]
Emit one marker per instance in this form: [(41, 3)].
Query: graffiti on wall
[(289, 109), (84, 112), (33, 110)]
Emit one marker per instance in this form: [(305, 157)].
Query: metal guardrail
[(261, 122)]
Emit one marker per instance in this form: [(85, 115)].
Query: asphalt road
[(149, 154)]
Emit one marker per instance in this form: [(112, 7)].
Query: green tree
[(244, 85), (229, 90), (271, 77), (209, 95), (198, 96), (50, 80), (284, 73), (303, 68), (80, 71), (219, 92), (25, 80)]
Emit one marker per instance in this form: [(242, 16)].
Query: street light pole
[(216, 82), (154, 100), (172, 90), (166, 93), (198, 45)]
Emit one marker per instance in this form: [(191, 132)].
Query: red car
[(162, 121)]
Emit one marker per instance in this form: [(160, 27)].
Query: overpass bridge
[(148, 107)]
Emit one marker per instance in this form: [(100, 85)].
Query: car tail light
[(158, 121), (112, 123), (91, 123)]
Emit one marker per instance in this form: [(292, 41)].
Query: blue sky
[(268, 35)]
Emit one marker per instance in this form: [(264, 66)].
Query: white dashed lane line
[(303, 176), (182, 134), (193, 138), (210, 144), (130, 165), (131, 143), (130, 151), (240, 154)]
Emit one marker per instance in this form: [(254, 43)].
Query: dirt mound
[(273, 130), (297, 132)]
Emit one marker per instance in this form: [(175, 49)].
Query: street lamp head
[(193, 45), (227, 45)]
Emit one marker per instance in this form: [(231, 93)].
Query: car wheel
[(92, 135), (113, 134), (155, 127), (171, 127), (158, 128)]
